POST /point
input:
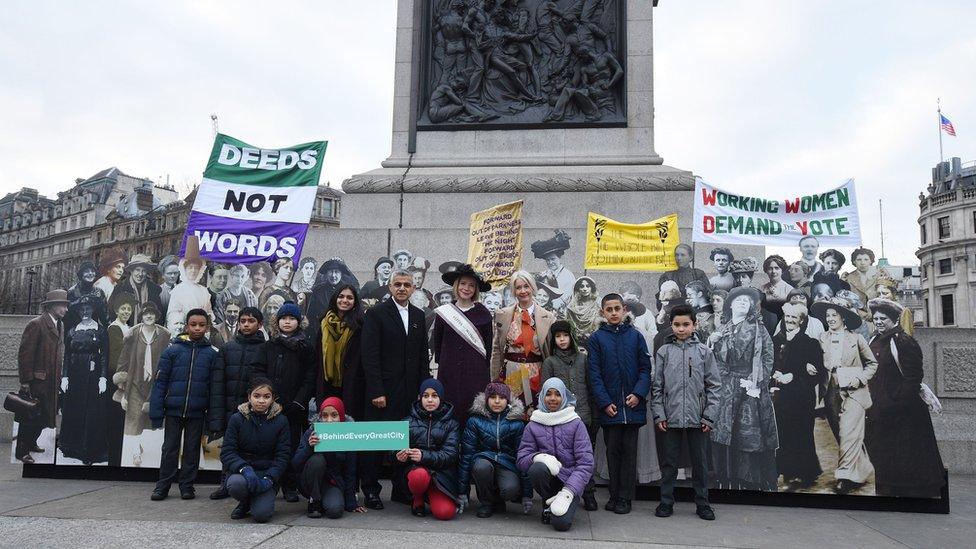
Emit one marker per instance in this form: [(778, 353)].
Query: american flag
[(947, 126)]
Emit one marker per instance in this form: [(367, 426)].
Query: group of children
[(506, 455)]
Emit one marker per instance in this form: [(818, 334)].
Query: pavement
[(72, 513)]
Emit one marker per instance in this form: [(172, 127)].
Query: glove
[(527, 506), (214, 435), (102, 385), (559, 503), (64, 385), (462, 503), (253, 481), (550, 462), (264, 484)]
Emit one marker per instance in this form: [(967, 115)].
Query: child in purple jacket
[(556, 454)]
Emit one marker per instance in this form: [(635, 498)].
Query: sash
[(463, 327)]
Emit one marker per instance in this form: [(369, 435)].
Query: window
[(948, 312), (944, 228), (925, 236), (945, 266)]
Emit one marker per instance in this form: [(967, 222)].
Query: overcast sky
[(753, 96)]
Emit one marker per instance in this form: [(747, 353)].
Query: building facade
[(43, 240), (947, 251)]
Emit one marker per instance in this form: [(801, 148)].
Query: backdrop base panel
[(122, 474)]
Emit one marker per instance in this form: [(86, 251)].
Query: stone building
[(43, 240), (947, 233)]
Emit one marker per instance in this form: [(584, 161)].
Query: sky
[(754, 97)]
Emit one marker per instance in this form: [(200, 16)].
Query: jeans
[(621, 441), (698, 452), (261, 505), (547, 486), (494, 483), (175, 429)]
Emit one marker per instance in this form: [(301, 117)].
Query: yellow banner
[(615, 246), (495, 242)]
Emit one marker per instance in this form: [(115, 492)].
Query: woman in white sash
[(461, 339)]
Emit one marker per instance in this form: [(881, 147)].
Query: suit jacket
[(855, 353), (503, 319), (394, 362), (39, 362)]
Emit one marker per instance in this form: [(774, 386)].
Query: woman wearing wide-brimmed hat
[(851, 365), (899, 435), (888, 289), (111, 267), (547, 296), (461, 339), (556, 275), (84, 383), (85, 287), (745, 434), (743, 270)]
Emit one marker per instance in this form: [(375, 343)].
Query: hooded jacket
[(340, 468), (574, 371), (259, 440), (492, 436), (189, 383), (687, 384), (620, 365), (240, 357), (435, 434)]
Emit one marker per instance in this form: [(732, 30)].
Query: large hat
[(554, 293), (402, 252), (437, 294), (448, 266), (887, 307), (110, 257), (54, 297), (419, 264), (191, 253), (465, 270), (120, 298), (558, 244), (383, 260), (844, 307), (140, 260), (333, 264), (748, 265), (748, 291)]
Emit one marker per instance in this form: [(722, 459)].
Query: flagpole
[(941, 156)]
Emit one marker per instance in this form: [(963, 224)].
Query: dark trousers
[(297, 423), (114, 427), (591, 430), (313, 482), (547, 485), (27, 433), (698, 452), (261, 505), (494, 483), (621, 441), (175, 429), (369, 475)]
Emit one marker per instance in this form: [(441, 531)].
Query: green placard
[(361, 436)]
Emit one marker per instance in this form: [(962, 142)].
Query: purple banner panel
[(228, 240)]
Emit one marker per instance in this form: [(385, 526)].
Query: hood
[(443, 412), (551, 419), (245, 410), (479, 407), (562, 326)]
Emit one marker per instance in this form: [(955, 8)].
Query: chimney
[(144, 198)]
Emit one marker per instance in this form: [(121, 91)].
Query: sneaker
[(705, 512), (418, 511), (314, 510), (622, 507), (546, 516), (372, 501), (242, 510), (220, 493), (611, 504), (290, 495), (188, 493), (485, 511), (159, 495), (589, 502), (664, 510)]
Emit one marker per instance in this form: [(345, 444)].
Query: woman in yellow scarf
[(340, 373)]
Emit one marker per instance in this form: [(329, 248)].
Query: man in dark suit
[(395, 360), (39, 361)]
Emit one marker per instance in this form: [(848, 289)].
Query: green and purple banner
[(254, 204)]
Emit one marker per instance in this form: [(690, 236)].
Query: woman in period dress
[(899, 436), (461, 339), (745, 437), (583, 312), (798, 363), (123, 306), (83, 382), (136, 370)]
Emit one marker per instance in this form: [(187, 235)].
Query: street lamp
[(30, 288)]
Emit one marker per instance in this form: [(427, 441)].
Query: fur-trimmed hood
[(245, 410), (479, 406)]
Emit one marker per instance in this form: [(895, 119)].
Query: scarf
[(294, 342), (147, 359), (335, 338), (521, 332)]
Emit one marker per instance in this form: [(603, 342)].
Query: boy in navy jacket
[(620, 378)]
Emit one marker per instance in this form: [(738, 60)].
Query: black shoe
[(290, 495), (622, 507), (26, 459), (705, 512), (546, 516), (159, 495), (314, 510), (499, 507), (611, 504), (188, 493), (664, 510), (418, 511), (37, 450), (485, 511), (220, 493), (589, 502), (242, 510), (372, 501)]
